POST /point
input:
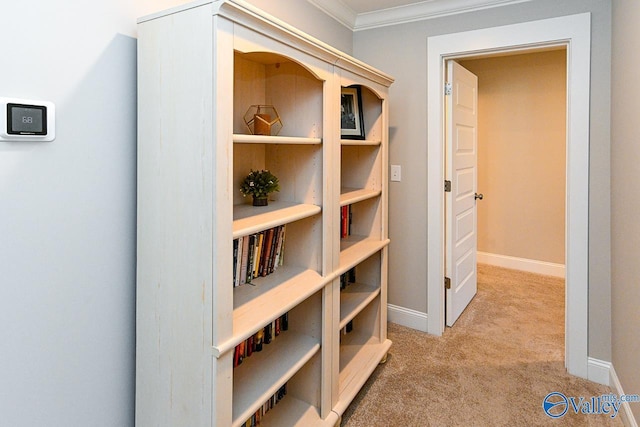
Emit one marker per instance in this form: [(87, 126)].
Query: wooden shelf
[(293, 412), (262, 374), (349, 196), (360, 142), (353, 299), (248, 219), (357, 361), (266, 298), (355, 249), (264, 139)]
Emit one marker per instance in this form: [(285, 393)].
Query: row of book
[(345, 221), (257, 255), (256, 418), (264, 336), (347, 278)]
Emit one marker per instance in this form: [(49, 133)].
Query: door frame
[(574, 32)]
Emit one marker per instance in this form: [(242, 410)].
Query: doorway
[(574, 33), (518, 162)]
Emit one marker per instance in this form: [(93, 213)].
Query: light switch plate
[(396, 173)]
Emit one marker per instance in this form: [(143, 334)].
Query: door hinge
[(447, 186), (447, 283), (447, 88)]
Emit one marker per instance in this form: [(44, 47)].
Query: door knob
[(479, 196)]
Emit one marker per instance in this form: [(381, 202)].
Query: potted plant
[(259, 184)]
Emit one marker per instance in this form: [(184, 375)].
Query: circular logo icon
[(555, 404)]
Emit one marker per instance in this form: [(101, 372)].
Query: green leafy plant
[(259, 184)]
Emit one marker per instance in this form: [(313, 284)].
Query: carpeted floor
[(493, 368)]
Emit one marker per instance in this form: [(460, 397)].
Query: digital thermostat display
[(26, 120)]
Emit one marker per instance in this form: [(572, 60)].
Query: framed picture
[(351, 122)]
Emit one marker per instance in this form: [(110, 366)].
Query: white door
[(460, 203)]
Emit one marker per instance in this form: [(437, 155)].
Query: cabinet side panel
[(174, 257), (220, 170)]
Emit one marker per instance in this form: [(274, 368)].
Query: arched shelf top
[(250, 16), (276, 59), (364, 87)]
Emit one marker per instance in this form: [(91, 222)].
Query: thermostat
[(27, 120)]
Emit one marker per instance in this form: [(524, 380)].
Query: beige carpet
[(493, 368)]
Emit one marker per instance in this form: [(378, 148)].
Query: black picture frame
[(351, 117)]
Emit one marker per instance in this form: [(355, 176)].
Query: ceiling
[(364, 14)]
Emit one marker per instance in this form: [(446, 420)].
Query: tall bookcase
[(200, 67)]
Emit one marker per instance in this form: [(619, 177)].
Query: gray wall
[(311, 20), (67, 209), (67, 217), (625, 184), (401, 51)]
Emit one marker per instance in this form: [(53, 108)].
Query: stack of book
[(256, 418), (264, 336), (257, 255)]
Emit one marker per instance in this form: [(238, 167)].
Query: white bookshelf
[(201, 66)]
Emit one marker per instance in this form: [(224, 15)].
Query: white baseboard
[(406, 317), (598, 371), (522, 264), (625, 410)]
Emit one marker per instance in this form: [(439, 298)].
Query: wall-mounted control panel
[(27, 120)]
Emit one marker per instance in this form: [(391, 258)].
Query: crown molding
[(424, 10), (338, 11), (427, 9)]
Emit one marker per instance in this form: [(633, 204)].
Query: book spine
[(245, 260), (349, 221), (268, 334), (351, 275), (235, 260), (343, 233), (266, 252), (282, 242), (347, 278), (258, 250), (250, 258), (276, 260), (272, 251)]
